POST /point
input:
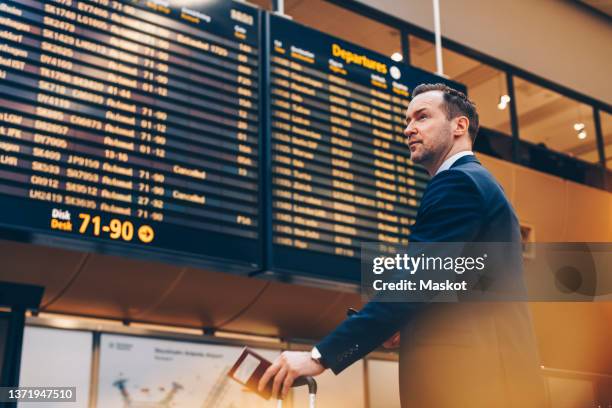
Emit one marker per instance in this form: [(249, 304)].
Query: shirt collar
[(451, 160)]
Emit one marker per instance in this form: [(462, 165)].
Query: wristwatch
[(315, 354)]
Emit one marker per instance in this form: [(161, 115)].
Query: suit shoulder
[(455, 177), (482, 179), (454, 184)]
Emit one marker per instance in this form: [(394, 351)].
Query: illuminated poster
[(138, 372), (57, 358)]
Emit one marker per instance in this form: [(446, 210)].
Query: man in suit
[(452, 354)]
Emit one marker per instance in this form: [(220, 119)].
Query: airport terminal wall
[(119, 291), (571, 336), (161, 300)]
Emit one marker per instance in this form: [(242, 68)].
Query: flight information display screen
[(132, 122), (340, 166)]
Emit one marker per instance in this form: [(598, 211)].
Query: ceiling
[(142, 291)]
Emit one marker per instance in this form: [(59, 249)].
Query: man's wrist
[(316, 356)]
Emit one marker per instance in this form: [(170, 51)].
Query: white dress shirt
[(451, 160)]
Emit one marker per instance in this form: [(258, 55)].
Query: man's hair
[(455, 104)]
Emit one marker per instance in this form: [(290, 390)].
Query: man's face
[(428, 131)]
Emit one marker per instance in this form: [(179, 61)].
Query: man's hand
[(393, 342), (286, 368)]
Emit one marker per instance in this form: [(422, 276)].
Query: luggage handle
[(312, 390)]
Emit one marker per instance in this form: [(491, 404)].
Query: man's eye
[(422, 117)]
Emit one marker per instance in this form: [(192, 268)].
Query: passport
[(248, 370)]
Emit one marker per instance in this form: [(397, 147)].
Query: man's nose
[(409, 131)]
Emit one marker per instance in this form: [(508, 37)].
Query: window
[(486, 85), (345, 24), (549, 119), (606, 131)]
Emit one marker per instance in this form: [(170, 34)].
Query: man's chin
[(417, 158), (418, 154), (421, 159)]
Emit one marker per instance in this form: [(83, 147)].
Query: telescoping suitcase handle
[(312, 383), (312, 390)]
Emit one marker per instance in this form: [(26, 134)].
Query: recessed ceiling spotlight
[(503, 102), (397, 56), (582, 134), (578, 126)]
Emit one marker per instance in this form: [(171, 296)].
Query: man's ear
[(462, 125)]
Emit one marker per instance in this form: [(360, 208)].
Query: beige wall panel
[(589, 214), (336, 391), (383, 383), (570, 392), (541, 203), (503, 172), (610, 204), (574, 335)]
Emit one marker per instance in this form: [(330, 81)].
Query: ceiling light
[(503, 102), (578, 127), (397, 56), (582, 134)]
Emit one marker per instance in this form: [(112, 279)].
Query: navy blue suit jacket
[(462, 204)]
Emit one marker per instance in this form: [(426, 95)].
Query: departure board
[(340, 166), (132, 125)]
